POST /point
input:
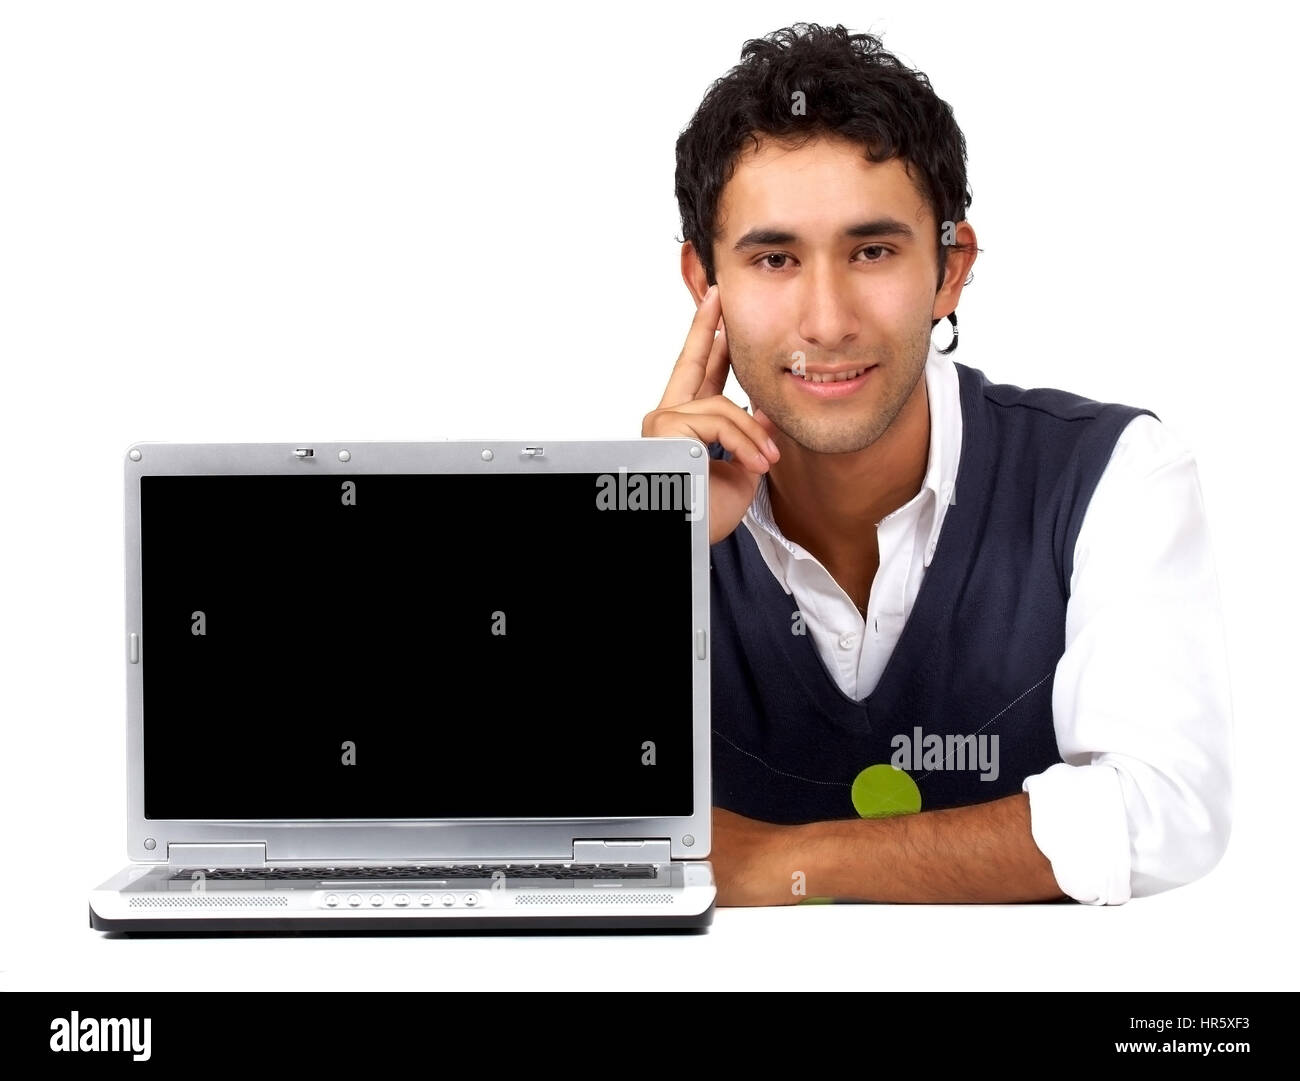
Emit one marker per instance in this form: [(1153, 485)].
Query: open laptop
[(416, 686)]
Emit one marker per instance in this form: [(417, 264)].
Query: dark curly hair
[(852, 88)]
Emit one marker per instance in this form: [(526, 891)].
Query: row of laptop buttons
[(401, 900)]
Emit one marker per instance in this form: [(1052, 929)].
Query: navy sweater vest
[(976, 656)]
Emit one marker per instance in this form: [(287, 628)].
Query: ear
[(960, 257), (697, 281)]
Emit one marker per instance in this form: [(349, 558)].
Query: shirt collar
[(938, 489)]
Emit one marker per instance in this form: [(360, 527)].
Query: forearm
[(979, 854)]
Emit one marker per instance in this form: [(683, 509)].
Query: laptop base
[(397, 925), (161, 898)]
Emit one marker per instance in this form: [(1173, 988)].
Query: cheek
[(754, 329)]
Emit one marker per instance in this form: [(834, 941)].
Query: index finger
[(689, 371)]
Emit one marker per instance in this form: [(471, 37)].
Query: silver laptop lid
[(456, 650)]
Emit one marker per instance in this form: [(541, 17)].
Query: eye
[(771, 255), (765, 261)]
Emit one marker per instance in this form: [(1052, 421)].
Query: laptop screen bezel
[(407, 839)]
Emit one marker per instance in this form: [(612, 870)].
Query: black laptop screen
[(416, 646)]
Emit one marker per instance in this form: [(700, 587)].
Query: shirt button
[(847, 640)]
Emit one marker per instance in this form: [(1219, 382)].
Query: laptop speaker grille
[(198, 901), (598, 897)]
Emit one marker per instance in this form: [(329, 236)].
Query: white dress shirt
[(1142, 800)]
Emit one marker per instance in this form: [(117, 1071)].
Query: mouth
[(836, 384)]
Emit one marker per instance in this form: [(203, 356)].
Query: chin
[(819, 440)]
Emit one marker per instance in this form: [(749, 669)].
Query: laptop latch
[(623, 850), (227, 855)]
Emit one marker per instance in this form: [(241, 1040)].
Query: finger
[(765, 422), (713, 427), (688, 373), (728, 409), (715, 372)]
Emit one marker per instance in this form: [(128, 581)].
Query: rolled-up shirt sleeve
[(1142, 799)]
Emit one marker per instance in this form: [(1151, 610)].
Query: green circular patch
[(883, 790)]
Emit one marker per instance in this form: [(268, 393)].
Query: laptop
[(415, 686)]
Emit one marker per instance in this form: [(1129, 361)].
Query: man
[(967, 641)]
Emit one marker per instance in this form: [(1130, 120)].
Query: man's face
[(800, 290)]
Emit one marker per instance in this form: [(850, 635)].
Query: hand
[(750, 861), (693, 405)]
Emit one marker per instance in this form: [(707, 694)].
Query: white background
[(283, 222)]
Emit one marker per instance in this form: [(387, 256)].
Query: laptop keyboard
[(428, 873)]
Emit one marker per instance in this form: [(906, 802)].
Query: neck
[(830, 504)]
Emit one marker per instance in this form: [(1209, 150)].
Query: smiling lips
[(833, 383), (831, 376)]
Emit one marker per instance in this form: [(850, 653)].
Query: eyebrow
[(763, 236)]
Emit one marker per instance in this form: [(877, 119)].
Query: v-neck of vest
[(937, 593)]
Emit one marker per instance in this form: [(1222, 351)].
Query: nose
[(826, 313)]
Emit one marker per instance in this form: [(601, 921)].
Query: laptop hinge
[(235, 854), (622, 850)]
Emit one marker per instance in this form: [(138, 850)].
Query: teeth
[(840, 377)]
